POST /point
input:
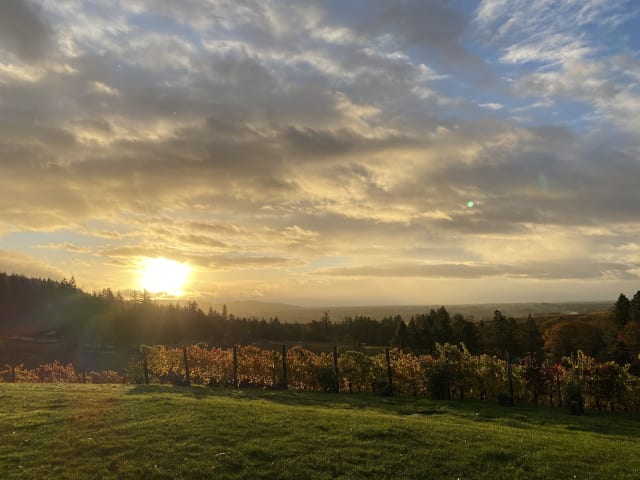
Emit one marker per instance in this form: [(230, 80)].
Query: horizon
[(129, 295), (358, 154)]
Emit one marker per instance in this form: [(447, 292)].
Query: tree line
[(104, 319)]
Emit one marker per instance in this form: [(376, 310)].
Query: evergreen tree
[(413, 337), (634, 308), (621, 311), (443, 328), (486, 340), (531, 339), (400, 337), (505, 334), (466, 332)]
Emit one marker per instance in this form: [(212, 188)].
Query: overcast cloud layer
[(325, 152)]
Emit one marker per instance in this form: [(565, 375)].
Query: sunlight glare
[(160, 275)]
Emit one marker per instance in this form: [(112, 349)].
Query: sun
[(160, 275)]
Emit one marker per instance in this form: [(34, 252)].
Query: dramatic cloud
[(311, 152)]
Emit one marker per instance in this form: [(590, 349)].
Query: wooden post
[(187, 372), (13, 374), (336, 375), (235, 367), (447, 381), (510, 377), (558, 388), (84, 375), (285, 382), (145, 367), (389, 373)]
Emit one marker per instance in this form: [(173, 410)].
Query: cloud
[(491, 106), (531, 21), (216, 262), (582, 80), (553, 48), (18, 263), (295, 234), (69, 247), (566, 52), (289, 138), (532, 270), (23, 31), (428, 27)]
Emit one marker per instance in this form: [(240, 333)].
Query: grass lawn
[(62, 431)]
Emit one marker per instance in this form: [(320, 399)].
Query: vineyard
[(451, 373)]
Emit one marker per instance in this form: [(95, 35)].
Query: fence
[(450, 373)]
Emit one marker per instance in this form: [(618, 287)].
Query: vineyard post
[(389, 373), (510, 377), (235, 366), (187, 371), (336, 375), (447, 381), (13, 374), (145, 366), (285, 383)]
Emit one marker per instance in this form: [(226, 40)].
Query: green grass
[(92, 431)]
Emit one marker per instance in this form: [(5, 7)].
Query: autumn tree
[(564, 339)]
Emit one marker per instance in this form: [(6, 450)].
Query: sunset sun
[(160, 275)]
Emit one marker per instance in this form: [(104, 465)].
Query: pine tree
[(634, 308), (413, 337), (621, 311), (400, 338), (532, 341), (505, 334)]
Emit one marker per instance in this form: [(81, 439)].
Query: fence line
[(579, 382)]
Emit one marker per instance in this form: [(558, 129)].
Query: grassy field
[(63, 431)]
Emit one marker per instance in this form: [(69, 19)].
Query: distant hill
[(294, 313)]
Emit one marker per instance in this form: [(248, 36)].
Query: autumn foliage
[(57, 373), (450, 373)]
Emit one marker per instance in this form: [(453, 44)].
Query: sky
[(324, 152)]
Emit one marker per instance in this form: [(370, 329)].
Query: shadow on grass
[(521, 416)]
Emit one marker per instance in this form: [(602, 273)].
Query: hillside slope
[(90, 431)]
